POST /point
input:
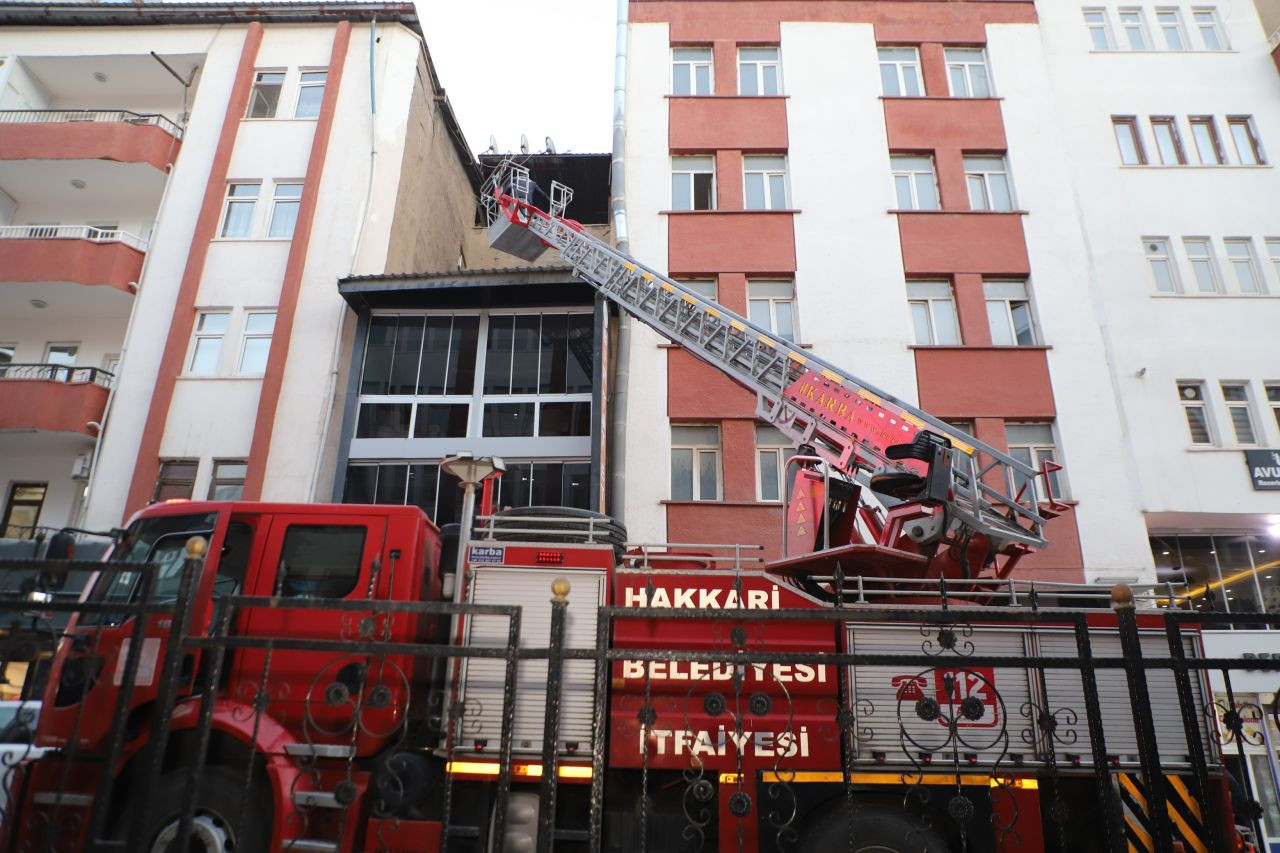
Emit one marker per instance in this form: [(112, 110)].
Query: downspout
[(618, 214)]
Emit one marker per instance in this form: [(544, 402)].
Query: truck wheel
[(874, 830), (216, 820)]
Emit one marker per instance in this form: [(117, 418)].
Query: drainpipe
[(618, 214)]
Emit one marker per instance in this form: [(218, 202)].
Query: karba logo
[(966, 695)]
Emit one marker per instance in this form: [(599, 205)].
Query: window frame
[(230, 199), (303, 84), (1169, 123), (1210, 260), (216, 479), (246, 336), (696, 453), (1167, 257), (198, 335), (1215, 139), (1130, 125), (912, 175), (1271, 396), (709, 64), (1177, 27), (984, 176), (899, 67), (769, 440), (1201, 403), (766, 174), (1108, 36), (771, 303), (1244, 406), (188, 482), (1144, 32), (277, 200), (758, 68), (1214, 26), (1038, 452), (707, 288), (1272, 245), (258, 74), (966, 69), (11, 502), (1244, 124), (693, 192), (928, 301), (1250, 259), (1008, 312)]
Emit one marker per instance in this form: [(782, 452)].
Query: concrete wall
[(478, 255)]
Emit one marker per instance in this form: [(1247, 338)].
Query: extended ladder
[(849, 422)]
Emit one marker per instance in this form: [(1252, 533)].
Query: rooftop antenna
[(493, 145), (551, 146), (524, 144)]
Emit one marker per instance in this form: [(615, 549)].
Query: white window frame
[(1246, 263), (693, 66), (1213, 25), (1271, 392), (1251, 154), (277, 200), (258, 74), (1215, 140), (230, 199), (959, 62), (698, 453), (982, 179), (248, 336), (899, 68), (767, 167), (772, 449), (1102, 26), (1210, 261), (686, 161), (303, 84), (707, 288), (1000, 308), (1242, 407), (1179, 152), (926, 296), (770, 295), (226, 479), (1133, 132), (200, 334), (1191, 403), (1273, 253), (1129, 28), (757, 71), (1036, 453), (913, 176), (1176, 27), (1159, 250)]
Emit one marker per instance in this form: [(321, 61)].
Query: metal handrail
[(72, 232), (58, 116), (67, 373)]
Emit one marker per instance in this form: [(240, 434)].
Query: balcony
[(53, 398), (119, 136), (71, 253)]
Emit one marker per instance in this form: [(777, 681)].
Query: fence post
[(1140, 701), (1097, 737), (551, 719), (1190, 719)]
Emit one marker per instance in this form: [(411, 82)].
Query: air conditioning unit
[(80, 467)]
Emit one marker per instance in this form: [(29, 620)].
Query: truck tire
[(875, 830), (219, 793)]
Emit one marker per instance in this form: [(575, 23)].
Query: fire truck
[(248, 676)]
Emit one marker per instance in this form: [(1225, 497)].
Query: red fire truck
[(247, 676)]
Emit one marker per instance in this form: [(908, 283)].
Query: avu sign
[(1264, 468)]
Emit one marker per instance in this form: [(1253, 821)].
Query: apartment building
[(183, 185)]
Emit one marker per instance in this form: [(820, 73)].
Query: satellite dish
[(524, 144), (551, 146), (493, 145)]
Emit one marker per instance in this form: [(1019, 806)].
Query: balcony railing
[(51, 116), (70, 374), (72, 232)]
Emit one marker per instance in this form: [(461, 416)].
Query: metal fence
[(348, 696), (46, 116), (68, 373), (72, 232)]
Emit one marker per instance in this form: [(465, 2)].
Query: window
[(1191, 394), (264, 99), (206, 350), (1162, 266), (914, 181), (1099, 29), (310, 94), (1033, 445), (1168, 143), (900, 72), (1129, 140), (1203, 266), (771, 306), (228, 480), (1205, 133), (758, 71), (320, 560), (704, 287), (773, 449), (1210, 31), (1273, 251), (988, 179), (933, 313), (1170, 23), (1273, 400), (284, 210), (693, 183), (695, 463), (177, 479), (61, 354), (8, 352), (1135, 29), (691, 71), (967, 71), (1009, 313), (258, 326), (237, 218), (1248, 151), (22, 510), (765, 182), (1236, 395), (1243, 264)]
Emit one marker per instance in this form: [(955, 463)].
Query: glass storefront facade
[(1221, 572)]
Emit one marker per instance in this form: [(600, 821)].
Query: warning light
[(971, 757), (550, 558), (481, 744), (1074, 759), (879, 757), (926, 757), (1113, 760)]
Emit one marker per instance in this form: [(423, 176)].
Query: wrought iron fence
[(126, 116), (69, 373), (1092, 720), (72, 232)]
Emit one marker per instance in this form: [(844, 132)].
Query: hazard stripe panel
[(1185, 814)]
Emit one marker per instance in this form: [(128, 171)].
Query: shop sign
[(1264, 468)]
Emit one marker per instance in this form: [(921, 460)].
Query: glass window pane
[(1204, 276), (920, 322), (998, 319), (786, 328), (1164, 276), (702, 80), (977, 193), (777, 192), (214, 322), (554, 352), (260, 323), (403, 378), (508, 420), (978, 78), (361, 484), (436, 352), (707, 471), (1244, 143), (1022, 330), (681, 474), (681, 191), (755, 191), (1245, 277), (1242, 424), (758, 313), (441, 420), (378, 355), (911, 81), (239, 217), (1198, 425), (284, 216), (927, 192), (526, 344), (497, 370), (565, 418), (309, 100), (463, 346), (902, 185), (320, 560), (747, 79), (1001, 198), (889, 80), (265, 96), (770, 73), (768, 462), (254, 358), (959, 83), (383, 420), (580, 362), (680, 79), (1128, 146), (421, 491), (946, 324), (391, 484), (204, 361)]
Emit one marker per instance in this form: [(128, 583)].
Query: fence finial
[(1121, 597), (196, 546), (560, 589)]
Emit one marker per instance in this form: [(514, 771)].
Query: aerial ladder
[(912, 496)]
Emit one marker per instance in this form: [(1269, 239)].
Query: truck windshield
[(161, 540)]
